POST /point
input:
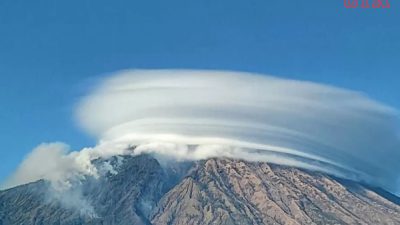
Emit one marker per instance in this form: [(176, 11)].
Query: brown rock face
[(224, 191), (214, 192)]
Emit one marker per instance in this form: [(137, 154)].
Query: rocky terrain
[(139, 190)]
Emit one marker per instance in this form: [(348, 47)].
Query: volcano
[(144, 190)]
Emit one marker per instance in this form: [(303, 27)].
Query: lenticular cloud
[(192, 115)]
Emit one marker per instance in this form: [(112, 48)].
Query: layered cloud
[(192, 115)]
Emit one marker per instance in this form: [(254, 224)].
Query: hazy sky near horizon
[(52, 51)]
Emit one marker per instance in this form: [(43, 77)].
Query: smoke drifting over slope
[(192, 115)]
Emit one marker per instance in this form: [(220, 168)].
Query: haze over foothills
[(67, 78)]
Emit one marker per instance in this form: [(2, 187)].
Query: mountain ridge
[(142, 190)]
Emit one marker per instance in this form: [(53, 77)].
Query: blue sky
[(51, 51)]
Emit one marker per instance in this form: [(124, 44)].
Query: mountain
[(142, 190)]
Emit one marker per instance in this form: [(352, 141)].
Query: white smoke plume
[(191, 115)]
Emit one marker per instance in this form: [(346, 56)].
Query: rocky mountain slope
[(139, 190)]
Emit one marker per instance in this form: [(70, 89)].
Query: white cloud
[(230, 114), (53, 162)]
